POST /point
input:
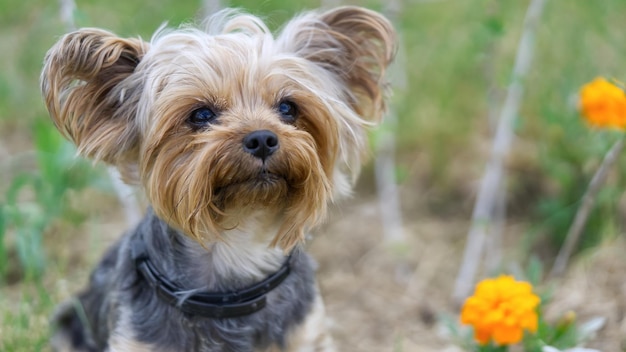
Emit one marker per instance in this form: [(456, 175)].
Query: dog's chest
[(268, 329), (151, 321)]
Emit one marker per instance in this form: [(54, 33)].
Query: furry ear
[(355, 44), (87, 86)]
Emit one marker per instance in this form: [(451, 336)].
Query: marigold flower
[(500, 310), (603, 104)]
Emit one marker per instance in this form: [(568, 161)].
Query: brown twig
[(385, 164), (586, 205), (67, 9), (493, 255), (494, 174)]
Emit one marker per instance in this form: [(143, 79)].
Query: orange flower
[(500, 310), (603, 104)]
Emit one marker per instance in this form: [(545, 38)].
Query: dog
[(240, 139)]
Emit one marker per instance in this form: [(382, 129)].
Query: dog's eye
[(201, 117), (288, 111)]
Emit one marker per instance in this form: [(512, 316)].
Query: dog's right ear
[(91, 94)]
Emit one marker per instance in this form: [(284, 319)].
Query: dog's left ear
[(355, 44), (91, 94)]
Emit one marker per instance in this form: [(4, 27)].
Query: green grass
[(454, 52), (25, 325)]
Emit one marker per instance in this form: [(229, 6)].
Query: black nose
[(261, 143)]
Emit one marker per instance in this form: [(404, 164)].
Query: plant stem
[(494, 174), (588, 200), (385, 163), (210, 7)]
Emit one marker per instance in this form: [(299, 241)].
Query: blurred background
[(384, 290)]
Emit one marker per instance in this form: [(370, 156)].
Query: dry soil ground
[(383, 298)]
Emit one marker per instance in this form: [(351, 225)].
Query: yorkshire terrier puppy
[(240, 139)]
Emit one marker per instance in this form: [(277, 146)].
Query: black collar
[(206, 304)]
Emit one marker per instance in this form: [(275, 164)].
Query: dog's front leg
[(313, 334), (122, 344)]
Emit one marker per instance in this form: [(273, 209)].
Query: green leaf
[(30, 251), (48, 144), (493, 348), (494, 25), (29, 220), (18, 183), (2, 223)]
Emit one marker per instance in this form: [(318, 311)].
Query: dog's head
[(219, 123)]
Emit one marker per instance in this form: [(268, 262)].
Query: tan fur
[(127, 102), (356, 43), (81, 79)]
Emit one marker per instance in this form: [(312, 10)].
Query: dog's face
[(217, 125)]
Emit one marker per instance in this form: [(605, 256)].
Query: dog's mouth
[(263, 178), (266, 181), (264, 188), (267, 177)]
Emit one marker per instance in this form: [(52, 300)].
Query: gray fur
[(116, 287)]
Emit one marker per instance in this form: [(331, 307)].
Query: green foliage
[(36, 198), (569, 153), (562, 334), (4, 260), (28, 221), (491, 348), (5, 95), (569, 161), (22, 330)]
